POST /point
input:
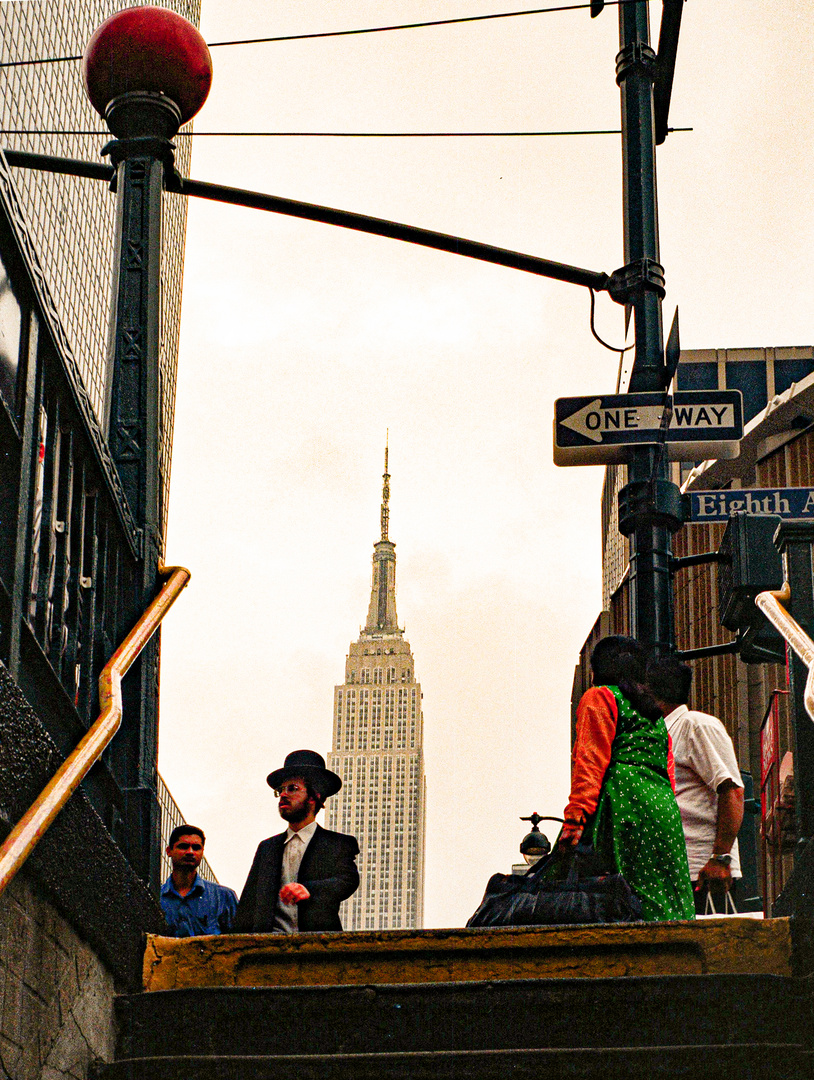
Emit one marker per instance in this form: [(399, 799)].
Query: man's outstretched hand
[(293, 893)]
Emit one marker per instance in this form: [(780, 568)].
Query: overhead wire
[(417, 25), (611, 348), (348, 33), (341, 134), (351, 134)]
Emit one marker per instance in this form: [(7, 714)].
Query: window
[(401, 736), (376, 717), (10, 332), (391, 674), (377, 676), (389, 710)]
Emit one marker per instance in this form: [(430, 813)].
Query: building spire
[(381, 616), (386, 490)]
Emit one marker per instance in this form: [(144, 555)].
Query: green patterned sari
[(637, 826)]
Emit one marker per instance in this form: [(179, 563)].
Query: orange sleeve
[(597, 715), (671, 762)]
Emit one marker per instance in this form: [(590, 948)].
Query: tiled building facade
[(70, 218)]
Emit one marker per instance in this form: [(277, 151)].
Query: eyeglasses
[(293, 788)]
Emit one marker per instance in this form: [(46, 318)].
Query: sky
[(302, 345)]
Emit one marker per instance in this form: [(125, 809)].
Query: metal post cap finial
[(148, 49)]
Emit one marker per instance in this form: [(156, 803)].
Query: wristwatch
[(724, 860)]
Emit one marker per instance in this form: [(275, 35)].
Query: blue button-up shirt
[(206, 909)]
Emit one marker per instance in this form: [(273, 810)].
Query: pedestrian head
[(670, 680), (622, 661), (186, 847), (298, 802), (616, 658), (185, 830)]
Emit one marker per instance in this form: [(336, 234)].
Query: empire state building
[(377, 750)]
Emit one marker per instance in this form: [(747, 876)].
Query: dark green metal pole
[(143, 124), (649, 505)]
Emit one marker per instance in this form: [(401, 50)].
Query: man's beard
[(289, 813)]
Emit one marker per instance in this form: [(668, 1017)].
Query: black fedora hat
[(310, 766)]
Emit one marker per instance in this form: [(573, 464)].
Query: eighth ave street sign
[(791, 504), (601, 429)]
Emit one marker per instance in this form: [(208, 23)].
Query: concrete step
[(708, 1001), (710, 946), (769, 1061), (469, 1017)]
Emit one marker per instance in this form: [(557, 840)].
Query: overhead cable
[(413, 26), (348, 33), (343, 134)]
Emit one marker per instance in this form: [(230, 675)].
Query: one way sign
[(599, 430)]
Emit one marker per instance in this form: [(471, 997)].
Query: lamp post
[(649, 504), (146, 71)]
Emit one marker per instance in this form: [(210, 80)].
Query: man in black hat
[(299, 877)]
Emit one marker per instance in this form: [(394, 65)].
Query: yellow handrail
[(770, 604), (30, 829)]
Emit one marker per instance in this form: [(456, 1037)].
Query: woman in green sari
[(621, 786)]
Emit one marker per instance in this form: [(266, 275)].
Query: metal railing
[(171, 817), (24, 837), (71, 554), (771, 604)]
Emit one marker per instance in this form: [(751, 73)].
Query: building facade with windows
[(751, 699), (377, 750)]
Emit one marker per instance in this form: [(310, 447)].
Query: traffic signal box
[(749, 563)]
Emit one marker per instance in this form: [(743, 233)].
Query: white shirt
[(704, 759), (285, 917)]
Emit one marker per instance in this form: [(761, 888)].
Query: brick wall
[(57, 998), (71, 923)]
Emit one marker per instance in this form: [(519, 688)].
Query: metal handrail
[(770, 604), (28, 832)]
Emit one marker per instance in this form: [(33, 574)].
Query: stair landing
[(731, 946)]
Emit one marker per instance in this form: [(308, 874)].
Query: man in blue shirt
[(193, 906)]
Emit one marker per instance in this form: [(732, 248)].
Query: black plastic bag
[(539, 898)]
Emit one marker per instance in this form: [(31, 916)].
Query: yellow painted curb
[(711, 946)]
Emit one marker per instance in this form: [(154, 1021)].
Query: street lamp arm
[(411, 234), (91, 170)]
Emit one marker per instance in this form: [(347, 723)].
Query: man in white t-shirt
[(709, 788)]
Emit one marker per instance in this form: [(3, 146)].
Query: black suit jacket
[(328, 871)]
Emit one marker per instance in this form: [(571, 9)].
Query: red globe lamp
[(147, 51)]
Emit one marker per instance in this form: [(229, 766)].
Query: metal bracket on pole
[(643, 503), (644, 275), (678, 563), (723, 649), (636, 55)]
